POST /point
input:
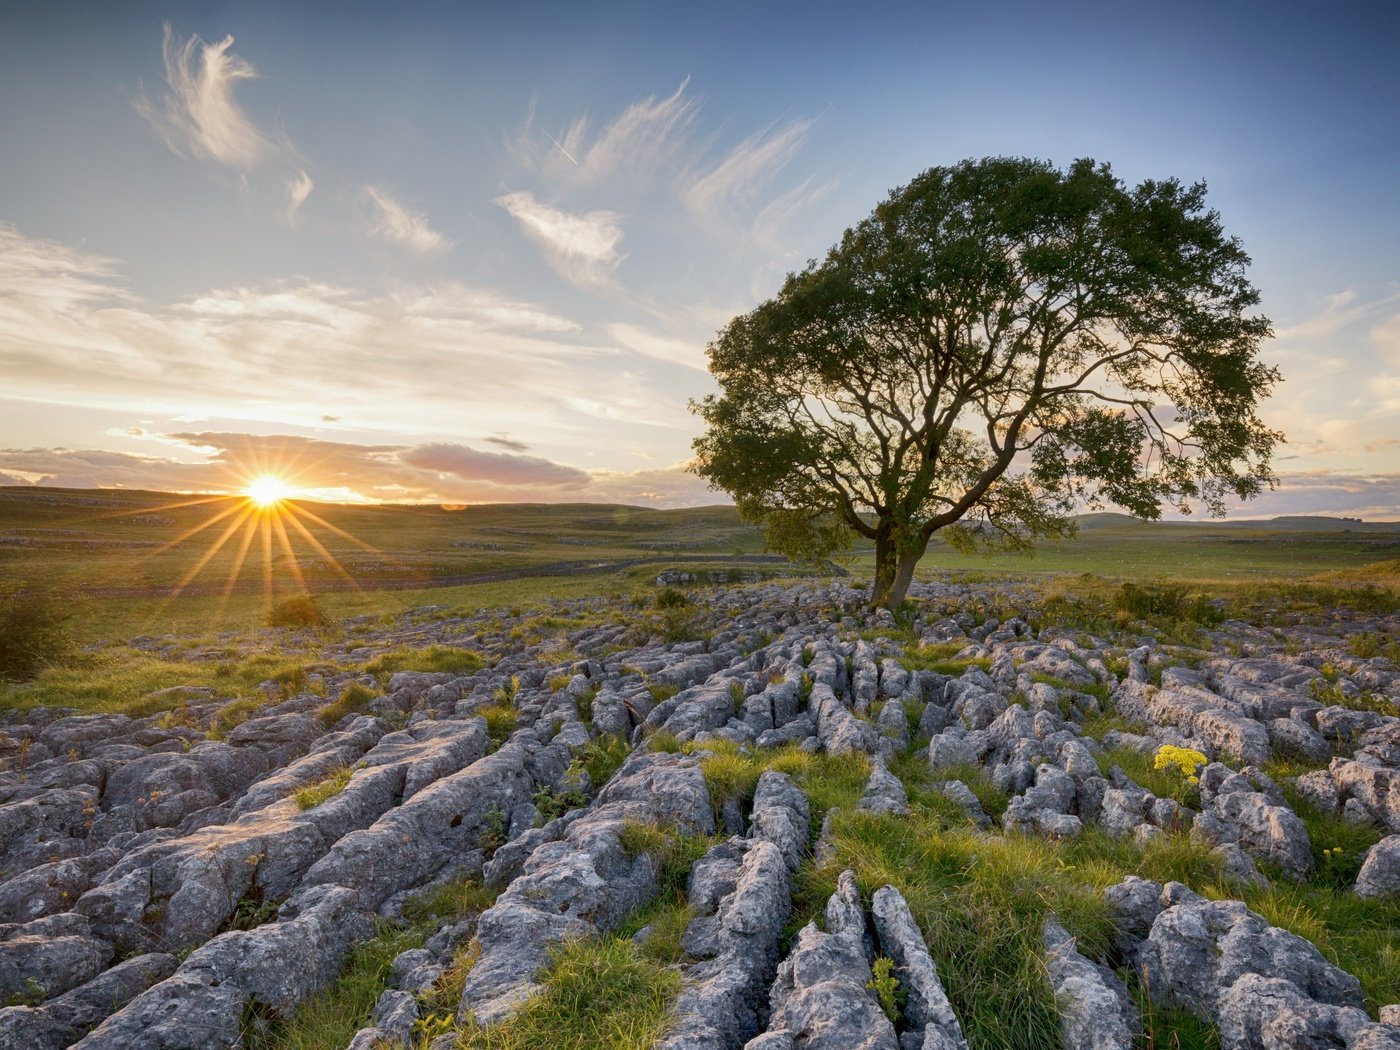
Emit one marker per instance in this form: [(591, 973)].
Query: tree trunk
[(894, 571)]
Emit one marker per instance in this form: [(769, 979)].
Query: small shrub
[(300, 611), (601, 758), (889, 993), (662, 691), (670, 598), (1183, 760), (327, 787), (507, 691), (232, 714), (663, 740), (33, 634), (500, 722)]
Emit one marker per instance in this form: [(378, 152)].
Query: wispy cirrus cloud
[(581, 247), (738, 179), (642, 141), (658, 141), (393, 221), (299, 187), (200, 116)]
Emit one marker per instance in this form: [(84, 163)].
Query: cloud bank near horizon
[(435, 472)]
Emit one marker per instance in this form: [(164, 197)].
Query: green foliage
[(33, 633), (299, 611), (354, 699), (33, 994), (436, 658), (662, 691), (598, 994), (1332, 694), (942, 658), (327, 787), (671, 598), (663, 740), (889, 993), (1367, 645), (501, 720), (1169, 603), (980, 902), (233, 713), (556, 801), (886, 390), (1143, 770), (602, 757)]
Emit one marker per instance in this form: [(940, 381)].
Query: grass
[(732, 772), (330, 1019), (354, 699), (598, 994), (980, 902), (1164, 783), (941, 658), (501, 720), (326, 788), (436, 658)]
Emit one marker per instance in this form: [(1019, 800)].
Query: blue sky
[(474, 252)]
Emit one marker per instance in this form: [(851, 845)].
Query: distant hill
[(1316, 523)]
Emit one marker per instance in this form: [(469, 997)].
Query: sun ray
[(292, 562), (195, 530), (266, 529), (213, 550), (128, 512), (318, 546), (250, 530)]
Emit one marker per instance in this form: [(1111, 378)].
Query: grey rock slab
[(1268, 1013), (1198, 949), (819, 999), (1379, 877), (278, 964), (734, 941), (1095, 1011), (929, 1013), (412, 842), (64, 1020), (48, 956)]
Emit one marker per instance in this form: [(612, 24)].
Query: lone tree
[(1000, 344)]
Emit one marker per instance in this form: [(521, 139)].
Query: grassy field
[(115, 557)]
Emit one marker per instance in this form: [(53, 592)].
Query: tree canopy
[(998, 346)]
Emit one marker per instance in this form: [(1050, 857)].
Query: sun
[(267, 491)]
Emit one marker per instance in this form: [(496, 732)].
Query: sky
[(474, 252)]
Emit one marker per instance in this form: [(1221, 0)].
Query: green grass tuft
[(600, 994), (327, 787)]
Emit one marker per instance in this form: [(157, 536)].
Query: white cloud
[(641, 141), (746, 171), (394, 222), (201, 118), (439, 358), (299, 187), (583, 248), (661, 347), (437, 472)]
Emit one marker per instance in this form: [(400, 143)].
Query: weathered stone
[(1095, 1010), (1380, 872), (930, 1017)]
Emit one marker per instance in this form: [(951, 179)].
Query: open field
[(272, 836), (119, 555)]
